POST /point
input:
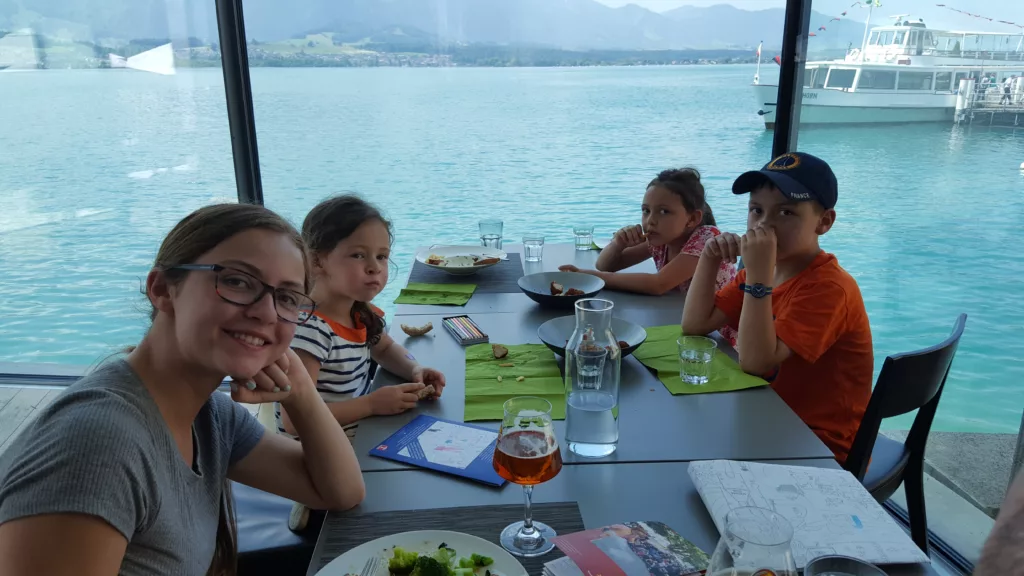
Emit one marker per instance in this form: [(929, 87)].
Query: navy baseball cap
[(798, 175)]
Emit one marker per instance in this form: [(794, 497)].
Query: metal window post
[(238, 92), (791, 76)]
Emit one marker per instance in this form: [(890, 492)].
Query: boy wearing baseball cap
[(800, 316)]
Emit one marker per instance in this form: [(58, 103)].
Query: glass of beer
[(755, 542), (527, 454)]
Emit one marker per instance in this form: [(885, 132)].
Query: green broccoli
[(445, 555), (481, 561), (428, 566), (402, 562), (466, 563)]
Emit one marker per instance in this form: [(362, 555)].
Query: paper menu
[(452, 447), (830, 511), (627, 549)]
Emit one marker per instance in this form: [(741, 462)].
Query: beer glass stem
[(528, 529)]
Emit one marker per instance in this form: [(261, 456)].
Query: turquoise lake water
[(96, 166)]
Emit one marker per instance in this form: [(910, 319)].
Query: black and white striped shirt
[(344, 357)]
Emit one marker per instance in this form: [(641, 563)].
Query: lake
[(97, 165)]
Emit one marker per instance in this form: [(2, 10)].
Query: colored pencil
[(453, 325), (471, 327)]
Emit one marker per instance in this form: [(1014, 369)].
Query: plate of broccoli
[(427, 553)]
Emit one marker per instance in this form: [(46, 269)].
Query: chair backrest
[(907, 382)]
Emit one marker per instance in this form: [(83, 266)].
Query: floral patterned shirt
[(693, 247)]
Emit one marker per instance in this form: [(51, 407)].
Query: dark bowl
[(555, 334), (538, 288)]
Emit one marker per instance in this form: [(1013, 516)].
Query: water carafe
[(592, 362)]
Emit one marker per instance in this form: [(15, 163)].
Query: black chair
[(907, 382), (265, 544)]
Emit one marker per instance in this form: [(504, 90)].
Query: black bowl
[(555, 334), (538, 288)]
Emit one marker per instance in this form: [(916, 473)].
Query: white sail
[(159, 60)]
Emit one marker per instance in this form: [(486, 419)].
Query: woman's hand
[(429, 377), (630, 236), (273, 383), (390, 400)]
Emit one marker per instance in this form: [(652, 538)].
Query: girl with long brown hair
[(125, 472)]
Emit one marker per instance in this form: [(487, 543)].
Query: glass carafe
[(592, 362), (755, 542)]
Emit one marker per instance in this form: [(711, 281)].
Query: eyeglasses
[(244, 289)]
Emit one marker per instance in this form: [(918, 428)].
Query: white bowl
[(460, 260)]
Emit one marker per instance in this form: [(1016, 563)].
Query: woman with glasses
[(126, 471)]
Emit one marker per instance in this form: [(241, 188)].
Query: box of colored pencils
[(465, 330)]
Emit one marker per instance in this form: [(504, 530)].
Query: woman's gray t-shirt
[(102, 448)]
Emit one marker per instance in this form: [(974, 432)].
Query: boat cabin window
[(877, 80), (942, 80), (885, 38), (819, 77), (874, 38), (840, 78), (899, 38), (915, 81)]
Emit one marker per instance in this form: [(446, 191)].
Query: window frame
[(241, 123)]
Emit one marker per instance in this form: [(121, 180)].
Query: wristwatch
[(756, 290)]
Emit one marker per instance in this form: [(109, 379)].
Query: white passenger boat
[(905, 72)]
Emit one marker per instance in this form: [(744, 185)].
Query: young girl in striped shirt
[(350, 244)]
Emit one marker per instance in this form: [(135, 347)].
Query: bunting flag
[(759, 49), (972, 15), (864, 4), (777, 60)]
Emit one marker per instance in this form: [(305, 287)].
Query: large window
[(840, 78), (915, 81), (113, 129), (877, 80), (917, 254), (441, 135)]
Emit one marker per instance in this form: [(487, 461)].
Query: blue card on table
[(446, 446)]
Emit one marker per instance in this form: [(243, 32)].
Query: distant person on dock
[(1007, 87), (801, 319), (676, 223)]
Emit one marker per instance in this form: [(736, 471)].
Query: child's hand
[(273, 383), (429, 377), (758, 248), (389, 400), (568, 268), (630, 236), (725, 246)]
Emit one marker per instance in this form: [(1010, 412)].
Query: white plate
[(460, 260), (424, 542)]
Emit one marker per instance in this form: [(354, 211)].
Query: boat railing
[(995, 96)]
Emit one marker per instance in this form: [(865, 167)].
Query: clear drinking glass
[(592, 362), (533, 248), (695, 356), (527, 454), (490, 233), (756, 541), (584, 237)]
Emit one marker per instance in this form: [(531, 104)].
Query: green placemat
[(661, 354), (436, 294), (485, 396)]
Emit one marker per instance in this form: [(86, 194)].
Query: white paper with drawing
[(830, 510)]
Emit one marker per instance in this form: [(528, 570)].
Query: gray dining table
[(654, 425), (659, 433), (605, 494)]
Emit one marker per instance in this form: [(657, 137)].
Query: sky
[(935, 17)]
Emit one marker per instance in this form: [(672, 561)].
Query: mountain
[(723, 26), (564, 24)]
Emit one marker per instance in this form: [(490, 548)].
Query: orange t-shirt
[(820, 316)]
